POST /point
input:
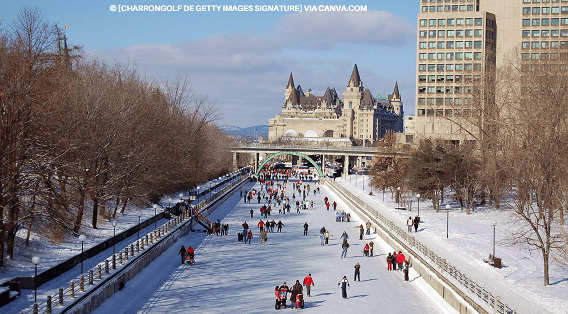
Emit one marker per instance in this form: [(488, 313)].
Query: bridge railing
[(454, 277), (314, 147)]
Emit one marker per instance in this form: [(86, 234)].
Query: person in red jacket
[(308, 282), (249, 237), (190, 254), (400, 259), (261, 225), (366, 250)]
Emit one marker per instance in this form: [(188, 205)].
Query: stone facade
[(359, 116)]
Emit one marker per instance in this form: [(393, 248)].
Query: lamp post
[(448, 207), (82, 238), (169, 201), (139, 216), (198, 194), (36, 260), (418, 197), (398, 196), (113, 235), (363, 175), (155, 214), (493, 224)]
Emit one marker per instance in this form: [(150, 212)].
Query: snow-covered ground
[(233, 277), (55, 253), (519, 282)]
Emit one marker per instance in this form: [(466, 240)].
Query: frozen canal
[(233, 277)]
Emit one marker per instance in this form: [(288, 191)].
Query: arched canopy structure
[(320, 172)]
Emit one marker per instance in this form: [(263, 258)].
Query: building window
[(451, 33), (431, 90), (421, 89), (423, 45), (441, 56), (477, 55), (442, 34), (423, 33), (545, 22), (525, 10), (440, 67), (431, 67), (441, 22), (450, 55), (469, 44), (459, 33), (431, 78), (536, 10), (459, 21), (478, 44), (451, 22), (422, 56), (468, 33), (423, 22), (478, 32), (546, 10), (555, 10), (526, 22), (468, 55), (421, 112), (468, 21), (421, 101), (459, 67), (422, 67), (526, 33), (555, 22), (535, 33), (536, 22), (440, 79), (432, 34), (350, 104), (535, 45), (431, 56), (478, 21), (422, 78), (468, 67), (430, 101), (459, 55), (432, 22), (450, 78), (449, 90), (449, 67), (432, 44)]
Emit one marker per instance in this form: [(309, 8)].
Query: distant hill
[(246, 133)]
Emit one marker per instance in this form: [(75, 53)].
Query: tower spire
[(355, 78), (396, 93), (290, 82)]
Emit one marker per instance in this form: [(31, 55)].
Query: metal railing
[(130, 257), (310, 148), (448, 271)]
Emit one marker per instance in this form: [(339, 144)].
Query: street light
[(198, 195), (36, 260), (493, 224), (155, 214), (139, 216), (113, 235), (398, 196), (448, 207), (169, 201), (82, 238), (418, 197)]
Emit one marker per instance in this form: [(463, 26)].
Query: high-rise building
[(460, 42)]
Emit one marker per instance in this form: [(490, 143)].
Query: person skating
[(409, 224), (394, 260), (182, 253), (308, 282), (368, 226), (263, 236), (348, 216), (261, 225), (416, 222), (344, 283), (361, 231), (344, 246), (279, 225), (357, 272), (296, 289), (389, 261), (371, 245), (400, 260), (405, 271), (251, 213), (327, 235), (283, 294), (305, 228), (249, 237), (190, 254), (334, 205), (277, 296), (245, 228), (366, 250)]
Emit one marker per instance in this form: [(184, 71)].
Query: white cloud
[(324, 30)]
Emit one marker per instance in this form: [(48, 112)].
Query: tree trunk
[(95, 212), (30, 221), (545, 265), (80, 212), (124, 201)]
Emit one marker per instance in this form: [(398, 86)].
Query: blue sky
[(242, 60)]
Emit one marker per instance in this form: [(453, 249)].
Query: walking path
[(233, 277)]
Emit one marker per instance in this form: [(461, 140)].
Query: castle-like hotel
[(359, 117)]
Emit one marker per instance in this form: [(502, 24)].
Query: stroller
[(190, 260), (300, 301)]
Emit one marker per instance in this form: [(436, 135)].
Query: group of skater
[(296, 293)]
